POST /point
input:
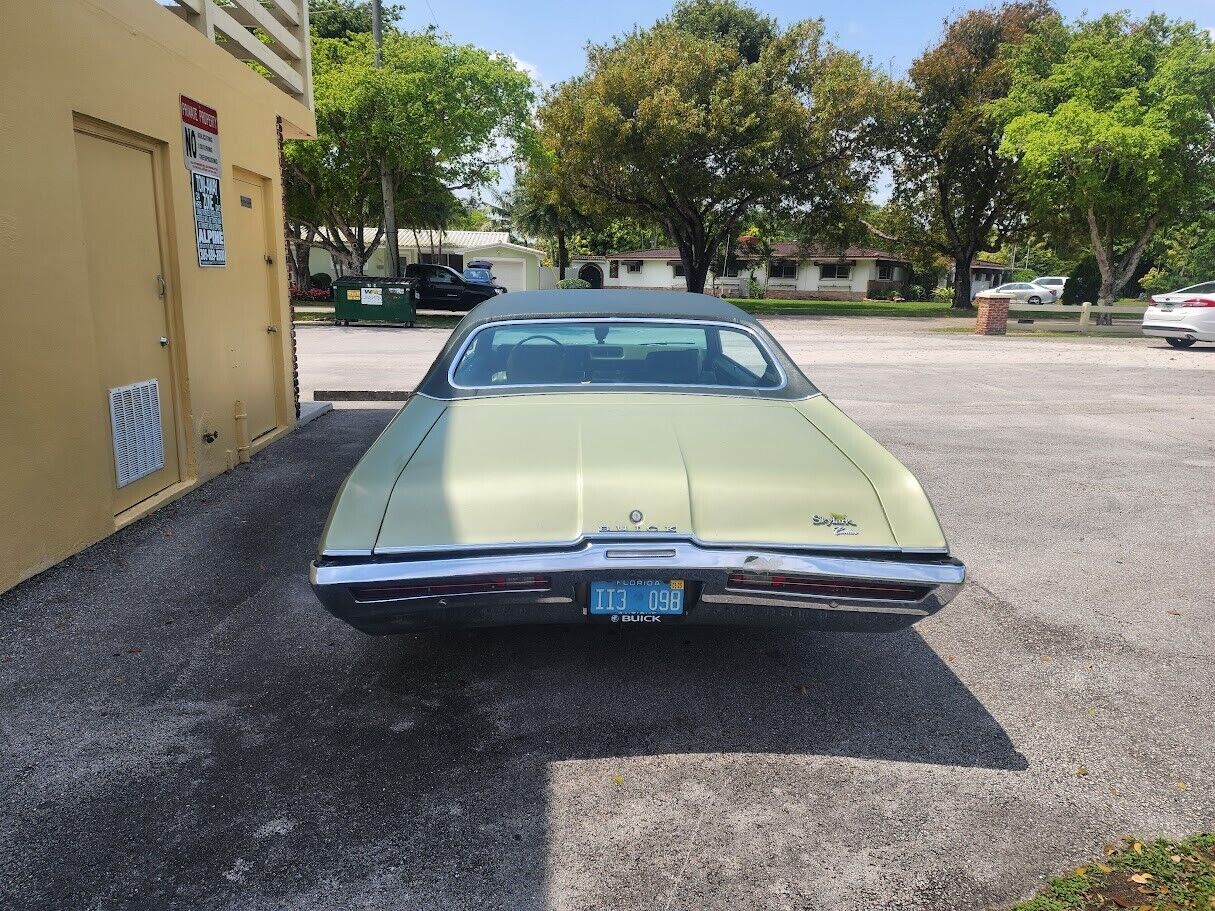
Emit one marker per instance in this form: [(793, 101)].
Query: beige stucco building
[(146, 344)]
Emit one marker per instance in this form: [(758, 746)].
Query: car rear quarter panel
[(358, 508), (908, 510)]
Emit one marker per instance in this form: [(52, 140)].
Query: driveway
[(185, 727)]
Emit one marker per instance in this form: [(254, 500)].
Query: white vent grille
[(139, 448)]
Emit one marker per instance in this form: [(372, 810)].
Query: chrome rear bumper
[(832, 591)]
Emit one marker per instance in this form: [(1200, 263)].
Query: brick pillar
[(282, 173), (993, 316)]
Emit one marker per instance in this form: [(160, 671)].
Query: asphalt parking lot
[(185, 727)]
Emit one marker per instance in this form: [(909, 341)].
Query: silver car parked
[(1021, 293)]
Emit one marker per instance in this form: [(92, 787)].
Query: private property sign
[(200, 135)]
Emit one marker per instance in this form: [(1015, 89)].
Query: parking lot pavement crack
[(693, 839)]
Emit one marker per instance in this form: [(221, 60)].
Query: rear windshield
[(614, 353)]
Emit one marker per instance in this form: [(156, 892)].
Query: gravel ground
[(185, 727)]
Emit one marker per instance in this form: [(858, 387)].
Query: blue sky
[(549, 36)]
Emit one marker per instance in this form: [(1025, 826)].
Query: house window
[(634, 266), (782, 268), (455, 260), (677, 268), (732, 269), (886, 272), (840, 271), (614, 268)]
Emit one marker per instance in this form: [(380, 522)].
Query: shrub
[(321, 280), (1084, 284), (576, 283), (943, 294), (1023, 275), (917, 293), (311, 295)]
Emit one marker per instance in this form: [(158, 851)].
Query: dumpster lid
[(373, 280)]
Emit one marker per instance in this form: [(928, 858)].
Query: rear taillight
[(446, 588), (1195, 302), (825, 587)]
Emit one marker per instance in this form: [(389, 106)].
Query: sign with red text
[(200, 136)]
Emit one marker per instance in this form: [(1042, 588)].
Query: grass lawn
[(1160, 876), (776, 307)]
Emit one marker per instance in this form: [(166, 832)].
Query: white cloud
[(528, 68)]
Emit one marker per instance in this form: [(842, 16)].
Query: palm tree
[(536, 207)]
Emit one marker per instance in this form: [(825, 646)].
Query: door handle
[(160, 286), (164, 341), (272, 328)]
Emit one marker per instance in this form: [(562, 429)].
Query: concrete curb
[(361, 395), (310, 411)]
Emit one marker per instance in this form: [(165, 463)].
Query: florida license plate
[(637, 596)]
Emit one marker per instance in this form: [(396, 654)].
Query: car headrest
[(536, 362), (681, 366)]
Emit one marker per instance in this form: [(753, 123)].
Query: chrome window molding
[(561, 387)]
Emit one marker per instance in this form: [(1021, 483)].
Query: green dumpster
[(374, 298)]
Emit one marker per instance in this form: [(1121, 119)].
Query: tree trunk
[(962, 299), (347, 263), (695, 268), (298, 272), (561, 254)]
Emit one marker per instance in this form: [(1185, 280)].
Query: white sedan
[(1182, 317), (1021, 293)]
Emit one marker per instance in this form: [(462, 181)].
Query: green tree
[(440, 114), (738, 26), (954, 194), (681, 129), (539, 206), (599, 238), (344, 18), (1113, 131), (1183, 254)]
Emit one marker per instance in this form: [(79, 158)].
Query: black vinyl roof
[(607, 304), (575, 303)]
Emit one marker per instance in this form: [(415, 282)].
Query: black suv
[(443, 288)]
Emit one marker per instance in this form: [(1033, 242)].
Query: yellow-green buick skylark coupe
[(627, 457)]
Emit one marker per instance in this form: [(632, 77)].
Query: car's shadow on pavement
[(591, 692), (187, 727)]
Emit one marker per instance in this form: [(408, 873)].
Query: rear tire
[(1180, 342), (1034, 299)]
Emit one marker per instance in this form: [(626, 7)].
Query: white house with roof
[(516, 267), (984, 274), (793, 271)]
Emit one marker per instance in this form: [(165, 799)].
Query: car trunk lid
[(547, 469)]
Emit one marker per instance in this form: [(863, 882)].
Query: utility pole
[(386, 187)]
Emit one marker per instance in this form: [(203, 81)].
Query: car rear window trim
[(755, 337)]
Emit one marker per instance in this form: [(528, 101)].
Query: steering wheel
[(511, 359), (547, 338)]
